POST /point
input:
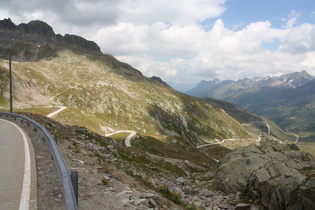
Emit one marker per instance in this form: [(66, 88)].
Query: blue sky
[(187, 41), (240, 13), (245, 12)]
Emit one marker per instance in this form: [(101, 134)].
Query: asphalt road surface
[(15, 168)]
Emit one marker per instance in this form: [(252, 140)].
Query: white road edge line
[(26, 190)]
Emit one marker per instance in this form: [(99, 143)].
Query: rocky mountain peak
[(7, 24), (306, 75), (293, 80), (35, 40), (37, 27)]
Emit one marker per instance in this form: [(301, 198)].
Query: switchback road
[(53, 114), (224, 140), (17, 177), (128, 138), (297, 136)]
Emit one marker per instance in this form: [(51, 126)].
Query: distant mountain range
[(182, 87), (289, 100)]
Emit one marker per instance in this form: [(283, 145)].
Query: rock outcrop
[(37, 27), (279, 176), (8, 24), (36, 40), (79, 42)]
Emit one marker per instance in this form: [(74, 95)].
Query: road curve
[(128, 138), (297, 136), (15, 168), (269, 130), (53, 114), (224, 140)]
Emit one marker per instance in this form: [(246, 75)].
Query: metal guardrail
[(66, 177)]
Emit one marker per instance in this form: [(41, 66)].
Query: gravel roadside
[(101, 184)]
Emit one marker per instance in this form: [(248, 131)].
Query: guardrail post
[(74, 179)]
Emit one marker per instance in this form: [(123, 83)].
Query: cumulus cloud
[(300, 40), (108, 12), (159, 39), (167, 38), (123, 39), (76, 12), (227, 54), (179, 12)]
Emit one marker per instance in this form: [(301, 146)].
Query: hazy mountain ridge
[(287, 99), (226, 88)]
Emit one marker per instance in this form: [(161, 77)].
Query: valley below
[(287, 100)]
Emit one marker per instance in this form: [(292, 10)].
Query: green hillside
[(104, 94)]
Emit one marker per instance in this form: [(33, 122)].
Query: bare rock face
[(80, 42), (7, 23), (279, 176), (36, 40), (37, 27)]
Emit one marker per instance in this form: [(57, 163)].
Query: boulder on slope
[(279, 176)]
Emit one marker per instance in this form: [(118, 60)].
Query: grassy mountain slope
[(254, 123), (104, 94), (292, 109)]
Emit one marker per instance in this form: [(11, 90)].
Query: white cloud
[(292, 19), (226, 54), (179, 12), (300, 39), (123, 39), (309, 61), (159, 39), (104, 13), (165, 38)]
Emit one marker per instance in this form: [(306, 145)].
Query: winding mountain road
[(128, 138), (269, 130), (224, 140), (297, 136), (53, 114)]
